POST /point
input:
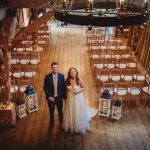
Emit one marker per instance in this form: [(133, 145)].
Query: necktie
[(55, 85)]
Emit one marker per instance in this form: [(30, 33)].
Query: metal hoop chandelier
[(104, 14)]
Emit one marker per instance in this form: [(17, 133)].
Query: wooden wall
[(143, 47)]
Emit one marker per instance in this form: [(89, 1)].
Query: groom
[(55, 91)]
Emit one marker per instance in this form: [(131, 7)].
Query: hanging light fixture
[(105, 14)]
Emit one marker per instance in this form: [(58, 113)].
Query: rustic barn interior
[(108, 56)]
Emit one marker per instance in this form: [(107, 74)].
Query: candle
[(121, 5), (91, 4), (64, 3), (121, 1), (146, 5)]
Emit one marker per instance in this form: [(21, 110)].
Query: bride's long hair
[(68, 82)]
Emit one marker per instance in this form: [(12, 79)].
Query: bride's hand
[(69, 87), (73, 91), (76, 91)]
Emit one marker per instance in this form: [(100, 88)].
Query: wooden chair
[(14, 58), (92, 39), (93, 46), (145, 95), (14, 90), (109, 86), (101, 37), (100, 32), (121, 64), (31, 72), (35, 58), (132, 65), (111, 63), (99, 63), (121, 90), (16, 71), (116, 75), (95, 53), (139, 77), (102, 75), (128, 74), (24, 58), (134, 92), (22, 84)]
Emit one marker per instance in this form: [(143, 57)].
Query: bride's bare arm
[(81, 82)]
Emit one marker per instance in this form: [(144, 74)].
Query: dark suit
[(61, 94)]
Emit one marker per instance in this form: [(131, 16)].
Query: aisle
[(69, 49)]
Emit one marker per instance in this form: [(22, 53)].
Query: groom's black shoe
[(51, 125), (60, 126)]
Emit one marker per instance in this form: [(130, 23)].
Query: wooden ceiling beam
[(33, 26), (35, 4)]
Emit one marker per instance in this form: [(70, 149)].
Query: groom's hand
[(64, 100), (51, 99)]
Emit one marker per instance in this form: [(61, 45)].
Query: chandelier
[(104, 14)]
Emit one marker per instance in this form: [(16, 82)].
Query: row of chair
[(128, 91), (112, 63), (25, 58), (115, 67)]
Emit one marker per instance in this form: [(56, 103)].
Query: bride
[(76, 115)]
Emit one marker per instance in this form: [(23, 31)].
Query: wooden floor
[(131, 132)]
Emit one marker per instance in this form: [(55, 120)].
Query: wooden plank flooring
[(132, 132)]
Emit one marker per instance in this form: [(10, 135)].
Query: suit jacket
[(49, 86)]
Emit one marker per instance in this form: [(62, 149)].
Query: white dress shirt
[(55, 80)]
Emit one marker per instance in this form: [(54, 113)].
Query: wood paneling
[(143, 47)]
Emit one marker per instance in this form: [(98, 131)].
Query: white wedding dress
[(76, 114)]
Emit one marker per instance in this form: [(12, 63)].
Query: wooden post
[(143, 47), (130, 35), (6, 30), (35, 33)]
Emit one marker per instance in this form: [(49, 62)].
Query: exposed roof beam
[(2, 13), (33, 26), (36, 4)]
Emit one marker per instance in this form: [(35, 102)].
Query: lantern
[(105, 103)]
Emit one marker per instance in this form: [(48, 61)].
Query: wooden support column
[(33, 26), (130, 35), (5, 41), (35, 33), (6, 32), (143, 47)]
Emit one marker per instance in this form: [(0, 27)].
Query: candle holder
[(31, 99), (90, 5), (116, 110), (7, 115), (21, 108), (64, 4), (146, 6), (105, 14), (104, 104), (121, 6)]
